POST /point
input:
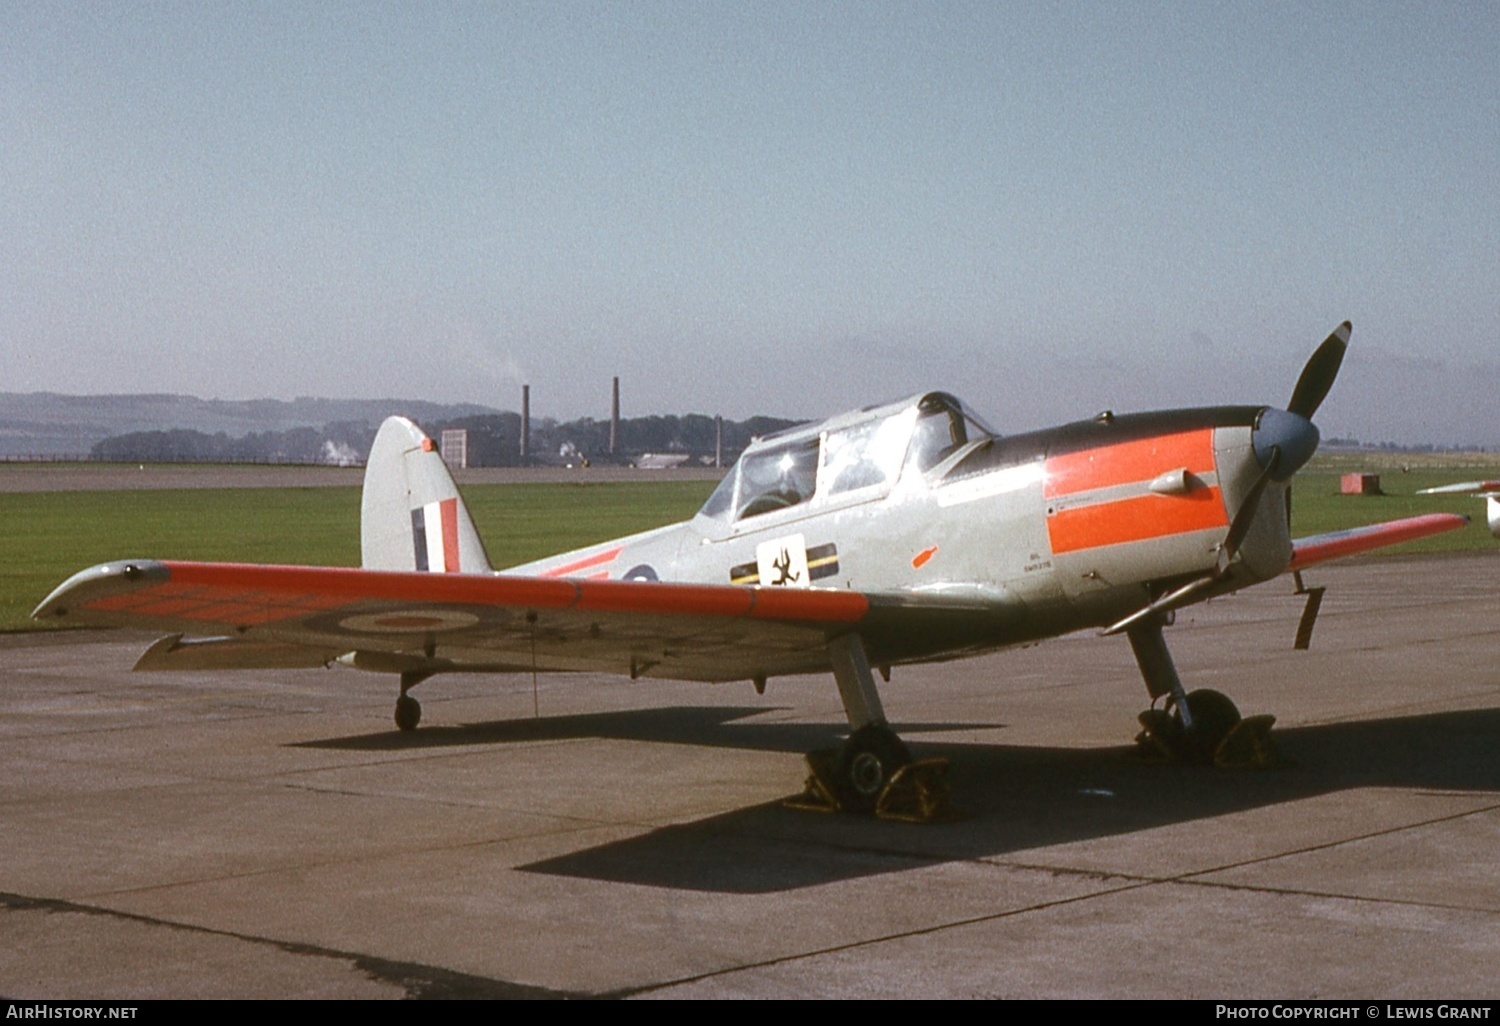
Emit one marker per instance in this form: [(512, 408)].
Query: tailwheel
[(408, 713), (1217, 735)]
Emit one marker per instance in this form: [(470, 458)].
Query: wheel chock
[(916, 793), (819, 794), (1248, 745), (1154, 742)]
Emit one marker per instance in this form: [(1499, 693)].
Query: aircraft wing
[(1463, 488), (1489, 491), (278, 616), (1320, 548)]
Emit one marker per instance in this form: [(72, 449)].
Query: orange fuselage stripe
[(1125, 462), (1138, 517), (597, 559)]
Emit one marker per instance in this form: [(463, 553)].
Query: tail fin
[(411, 516)]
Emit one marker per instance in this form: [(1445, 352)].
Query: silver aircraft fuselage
[(999, 540)]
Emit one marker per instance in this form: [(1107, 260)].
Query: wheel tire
[(1214, 716), (866, 764), (408, 713)]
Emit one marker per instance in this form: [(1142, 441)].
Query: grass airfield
[(50, 535)]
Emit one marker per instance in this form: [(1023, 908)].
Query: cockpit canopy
[(854, 456)]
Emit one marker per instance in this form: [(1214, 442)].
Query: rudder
[(411, 514)]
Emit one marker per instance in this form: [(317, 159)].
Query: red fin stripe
[(448, 513)]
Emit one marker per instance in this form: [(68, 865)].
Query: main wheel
[(408, 713), (1213, 716), (866, 762)]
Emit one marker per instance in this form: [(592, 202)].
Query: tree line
[(494, 441)]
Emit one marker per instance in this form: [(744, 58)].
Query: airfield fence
[(44, 457), (85, 457)]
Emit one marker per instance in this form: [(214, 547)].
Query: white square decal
[(782, 562)]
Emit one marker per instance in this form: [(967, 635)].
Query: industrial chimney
[(614, 418), (525, 422)]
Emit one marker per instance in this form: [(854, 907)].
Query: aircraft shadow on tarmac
[(707, 726), (1009, 798)]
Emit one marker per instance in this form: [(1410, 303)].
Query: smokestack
[(525, 422), (719, 441), (614, 418)]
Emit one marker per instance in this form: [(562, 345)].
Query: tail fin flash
[(411, 516)]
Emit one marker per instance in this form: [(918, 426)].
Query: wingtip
[(1478, 488), (96, 582)]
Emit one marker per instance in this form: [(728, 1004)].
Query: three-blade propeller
[(1283, 441)]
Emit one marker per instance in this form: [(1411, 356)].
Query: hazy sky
[(758, 208)]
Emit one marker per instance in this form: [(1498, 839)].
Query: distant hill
[(167, 428), (49, 424)]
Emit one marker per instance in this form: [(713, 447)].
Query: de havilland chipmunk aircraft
[(896, 534)]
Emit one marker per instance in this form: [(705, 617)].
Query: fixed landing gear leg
[(1200, 727), (1155, 660), (851, 669), (408, 709), (872, 772)]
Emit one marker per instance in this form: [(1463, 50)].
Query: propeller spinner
[(1284, 440)]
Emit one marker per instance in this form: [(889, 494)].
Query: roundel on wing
[(410, 621), (641, 572)]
